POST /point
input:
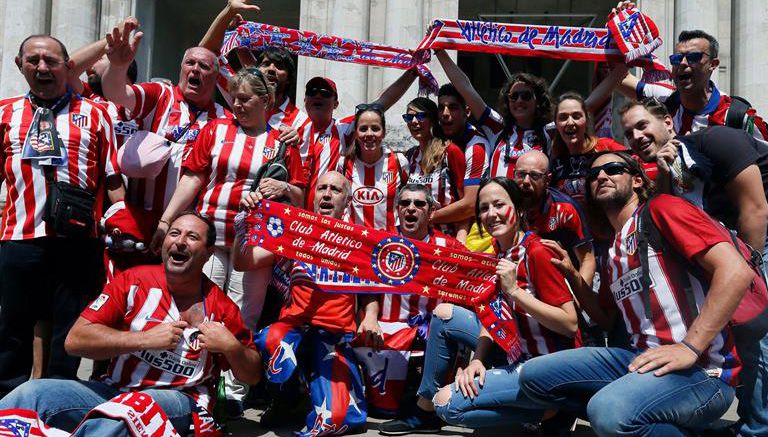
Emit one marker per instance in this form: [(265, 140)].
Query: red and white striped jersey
[(374, 187), (138, 300), (229, 159), (510, 142), (477, 152), (86, 130), (162, 109), (123, 125), (407, 307), (539, 277), (322, 149), (289, 115), (446, 181), (689, 232), (714, 114)]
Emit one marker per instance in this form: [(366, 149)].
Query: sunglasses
[(692, 58), (312, 92), (405, 203), (610, 169), (535, 176), (525, 96), (418, 116), (363, 107)]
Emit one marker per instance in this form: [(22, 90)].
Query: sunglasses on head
[(418, 116), (525, 96), (610, 169), (691, 57), (312, 92), (405, 203), (375, 107), (256, 72)]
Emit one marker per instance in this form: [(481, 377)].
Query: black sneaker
[(426, 423), (281, 412), (234, 409)]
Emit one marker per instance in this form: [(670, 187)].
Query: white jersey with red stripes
[(408, 307), (229, 159), (138, 300), (374, 187), (714, 114), (510, 142), (86, 131), (446, 180), (537, 276), (288, 114), (322, 149), (122, 123), (162, 109), (690, 232)]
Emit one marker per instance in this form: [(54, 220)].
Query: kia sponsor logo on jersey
[(368, 195)]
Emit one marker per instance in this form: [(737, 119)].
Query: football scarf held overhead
[(257, 36), (394, 263)]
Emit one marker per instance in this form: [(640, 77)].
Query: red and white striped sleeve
[(147, 96)]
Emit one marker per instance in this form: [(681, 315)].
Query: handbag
[(276, 169), (68, 209)]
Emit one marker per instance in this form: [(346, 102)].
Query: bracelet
[(691, 347), (287, 187)]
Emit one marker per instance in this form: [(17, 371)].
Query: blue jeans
[(753, 388), (63, 404), (617, 402), (445, 336), (500, 402)]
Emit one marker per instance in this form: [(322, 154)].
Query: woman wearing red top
[(574, 145), (219, 172)]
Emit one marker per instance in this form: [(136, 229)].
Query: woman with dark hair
[(538, 296), (436, 162), (375, 173), (575, 145), (524, 110)]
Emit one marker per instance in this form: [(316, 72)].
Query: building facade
[(172, 25)]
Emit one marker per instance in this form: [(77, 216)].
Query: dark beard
[(94, 81), (616, 200)]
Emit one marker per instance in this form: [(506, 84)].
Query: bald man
[(552, 214), (325, 320)]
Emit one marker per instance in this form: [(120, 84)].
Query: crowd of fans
[(627, 266)]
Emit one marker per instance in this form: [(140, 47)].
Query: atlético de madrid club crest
[(395, 260)]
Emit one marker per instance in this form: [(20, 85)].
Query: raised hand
[(241, 6), (121, 49)]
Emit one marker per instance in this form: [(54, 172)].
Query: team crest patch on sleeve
[(395, 260), (99, 302), (81, 121)]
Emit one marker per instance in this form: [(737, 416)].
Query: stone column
[(713, 17), (20, 19), (75, 22), (750, 20), (113, 12)]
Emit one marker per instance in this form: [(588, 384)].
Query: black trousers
[(43, 279)]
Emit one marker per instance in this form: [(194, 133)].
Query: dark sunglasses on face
[(534, 175), (525, 96), (405, 203), (418, 116), (312, 92), (610, 169), (691, 57)]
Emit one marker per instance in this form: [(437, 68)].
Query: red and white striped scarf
[(257, 36)]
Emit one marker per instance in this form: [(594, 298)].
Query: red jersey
[(86, 131), (162, 109), (289, 115), (321, 151), (138, 300), (690, 232), (229, 160), (123, 125), (404, 307), (539, 277), (510, 142), (315, 298), (374, 187), (714, 114), (561, 219)]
